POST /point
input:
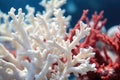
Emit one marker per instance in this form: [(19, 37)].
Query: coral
[(41, 51), (107, 53)]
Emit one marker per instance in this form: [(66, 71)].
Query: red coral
[(106, 68), (77, 26)]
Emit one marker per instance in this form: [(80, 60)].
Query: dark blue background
[(74, 7)]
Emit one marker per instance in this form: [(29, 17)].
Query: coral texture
[(106, 48), (41, 49)]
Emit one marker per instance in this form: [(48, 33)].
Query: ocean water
[(73, 7)]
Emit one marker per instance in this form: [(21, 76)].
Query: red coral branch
[(77, 26), (106, 68)]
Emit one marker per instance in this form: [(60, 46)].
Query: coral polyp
[(41, 49)]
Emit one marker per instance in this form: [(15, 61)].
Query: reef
[(41, 48)]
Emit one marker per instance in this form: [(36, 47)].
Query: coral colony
[(43, 50)]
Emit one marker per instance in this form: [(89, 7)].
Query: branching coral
[(42, 50), (107, 66)]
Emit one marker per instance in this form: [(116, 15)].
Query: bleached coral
[(39, 42)]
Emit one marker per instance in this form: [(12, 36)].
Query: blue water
[(72, 77), (74, 7)]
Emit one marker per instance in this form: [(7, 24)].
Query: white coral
[(39, 43)]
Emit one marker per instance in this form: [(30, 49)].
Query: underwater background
[(73, 7)]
